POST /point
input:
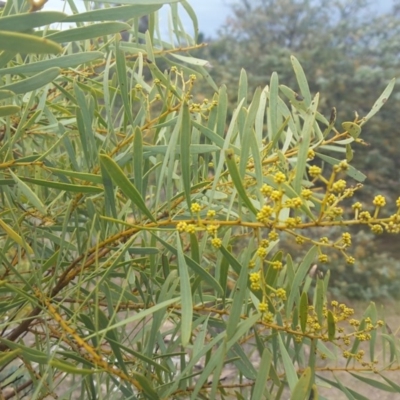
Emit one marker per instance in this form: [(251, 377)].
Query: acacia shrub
[(121, 272)]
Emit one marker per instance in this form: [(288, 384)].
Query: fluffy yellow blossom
[(216, 242), (266, 190), (365, 216), (339, 186), (323, 258), (277, 265), (346, 238), (377, 229), (279, 177), (276, 195), (254, 277), (262, 307), (357, 206), (281, 293), (190, 228), (211, 213), (306, 193), (261, 252), (310, 154), (350, 260), (314, 171), (195, 208), (212, 229), (273, 236), (297, 202), (181, 226), (264, 214), (379, 201)]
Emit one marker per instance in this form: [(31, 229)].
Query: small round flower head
[(365, 216), (291, 222), (264, 243), (310, 154), (339, 186), (297, 202), (379, 201), (276, 195), (331, 199), (262, 307), (195, 208), (266, 190), (264, 214), (346, 238), (323, 258), (350, 260), (273, 235), (357, 206), (344, 165), (181, 226), (281, 293), (216, 242), (254, 277), (277, 265), (314, 171), (377, 229), (255, 286), (299, 240), (306, 194), (212, 229), (279, 177), (392, 227), (261, 252), (191, 228), (211, 213)]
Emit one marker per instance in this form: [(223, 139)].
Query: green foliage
[(349, 51), (139, 242)]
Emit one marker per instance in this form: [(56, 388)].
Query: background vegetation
[(349, 50), (144, 229)]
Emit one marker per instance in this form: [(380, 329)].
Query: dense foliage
[(349, 50), (139, 238)]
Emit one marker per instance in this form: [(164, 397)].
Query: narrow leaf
[(120, 179)]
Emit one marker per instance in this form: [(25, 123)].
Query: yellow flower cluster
[(310, 154), (262, 307), (379, 201), (266, 190), (279, 177), (339, 186), (195, 208), (255, 281), (212, 229), (273, 236), (323, 258), (261, 252), (306, 193), (181, 226), (314, 171), (346, 239), (216, 242), (276, 195), (211, 214), (277, 265), (281, 293), (264, 214)]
